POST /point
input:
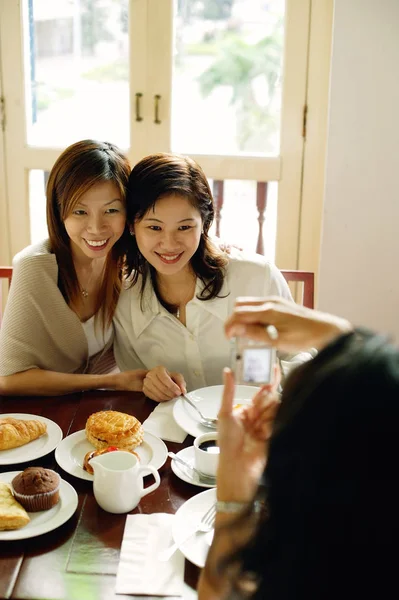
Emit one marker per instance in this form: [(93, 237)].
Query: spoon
[(202, 477), (206, 421)]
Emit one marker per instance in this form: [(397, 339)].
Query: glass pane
[(37, 205), (78, 70), (227, 75), (243, 230)]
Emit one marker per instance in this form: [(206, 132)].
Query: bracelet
[(237, 507)]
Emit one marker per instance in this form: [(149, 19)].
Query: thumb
[(179, 380)]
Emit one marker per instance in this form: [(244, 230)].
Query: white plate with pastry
[(208, 400), (196, 548), (45, 520), (48, 435), (70, 453)]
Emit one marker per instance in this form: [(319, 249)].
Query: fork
[(206, 524), (206, 421)]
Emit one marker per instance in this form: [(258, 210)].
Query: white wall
[(359, 269)]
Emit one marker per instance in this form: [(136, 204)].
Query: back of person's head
[(80, 167), (332, 478), (161, 175)]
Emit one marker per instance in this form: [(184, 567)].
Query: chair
[(5, 273), (307, 278)]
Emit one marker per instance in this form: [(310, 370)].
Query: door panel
[(223, 80)]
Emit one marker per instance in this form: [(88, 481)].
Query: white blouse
[(200, 350), (96, 338)]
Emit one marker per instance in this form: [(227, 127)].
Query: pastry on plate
[(12, 514), (37, 488), (18, 432), (112, 428), (93, 453)]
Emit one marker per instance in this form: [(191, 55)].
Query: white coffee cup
[(206, 458)]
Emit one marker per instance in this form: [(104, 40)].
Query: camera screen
[(257, 365)]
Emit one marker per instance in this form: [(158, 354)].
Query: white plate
[(208, 400), (71, 451), (32, 450), (189, 514), (187, 454), (45, 520)]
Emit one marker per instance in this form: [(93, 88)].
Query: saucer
[(187, 475)]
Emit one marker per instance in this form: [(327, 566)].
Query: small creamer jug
[(118, 481)]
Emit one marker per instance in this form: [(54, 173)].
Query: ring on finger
[(272, 332)]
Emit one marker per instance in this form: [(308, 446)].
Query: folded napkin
[(161, 423), (140, 571)]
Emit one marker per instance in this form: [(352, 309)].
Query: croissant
[(17, 432)]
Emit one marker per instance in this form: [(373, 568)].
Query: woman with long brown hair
[(182, 285), (56, 336)]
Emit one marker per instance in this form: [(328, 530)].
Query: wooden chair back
[(305, 277), (5, 273)]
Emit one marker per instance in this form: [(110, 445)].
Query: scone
[(37, 488), (17, 432), (12, 514), (112, 428)]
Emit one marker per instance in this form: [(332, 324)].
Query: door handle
[(157, 98), (139, 95)]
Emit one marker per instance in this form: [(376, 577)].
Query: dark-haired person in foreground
[(328, 523)]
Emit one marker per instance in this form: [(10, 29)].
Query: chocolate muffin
[(36, 488)]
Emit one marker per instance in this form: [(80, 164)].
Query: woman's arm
[(37, 382), (243, 440), (298, 327)]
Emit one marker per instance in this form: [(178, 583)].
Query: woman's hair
[(78, 168), (331, 482), (159, 175)]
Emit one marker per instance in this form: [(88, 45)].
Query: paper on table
[(140, 571), (161, 423)]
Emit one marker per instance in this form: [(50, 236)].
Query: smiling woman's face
[(169, 234), (96, 222)]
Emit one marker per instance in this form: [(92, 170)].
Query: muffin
[(36, 488)]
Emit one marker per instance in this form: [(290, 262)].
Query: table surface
[(79, 560)]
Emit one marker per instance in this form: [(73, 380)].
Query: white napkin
[(161, 423), (140, 571)]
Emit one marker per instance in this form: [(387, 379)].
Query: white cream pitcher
[(118, 481)]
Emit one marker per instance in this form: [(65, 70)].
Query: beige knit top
[(38, 329)]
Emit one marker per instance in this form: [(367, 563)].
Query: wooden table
[(79, 560)]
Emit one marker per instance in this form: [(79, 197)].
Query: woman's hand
[(298, 327), (160, 384), (131, 381), (242, 437)]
